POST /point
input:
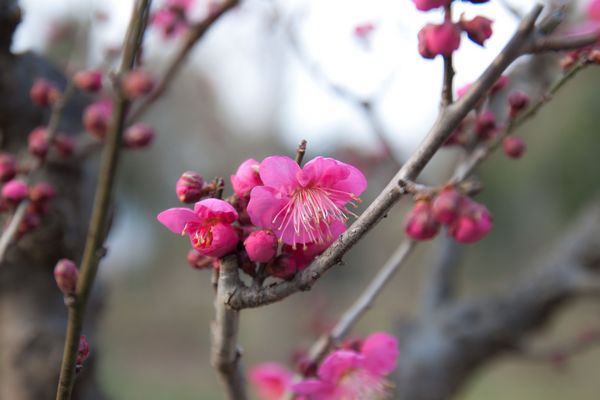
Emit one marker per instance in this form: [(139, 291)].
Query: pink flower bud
[(261, 246), (8, 167), (88, 81), (42, 192), (479, 29), (38, 142), (514, 147), (15, 191), (473, 223), (64, 145), (485, 124), (96, 118), (43, 92), (199, 261), (420, 223), (500, 84), (138, 136), (31, 221), (190, 187), (284, 267), (66, 275), (441, 39), (426, 5), (363, 31), (446, 206), (517, 101), (136, 84), (246, 178), (83, 352)]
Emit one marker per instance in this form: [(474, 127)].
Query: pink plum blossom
[(304, 205), (351, 375), (272, 380), (246, 178), (593, 10), (208, 226)]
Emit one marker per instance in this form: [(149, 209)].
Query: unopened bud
[(66, 275), (420, 223), (42, 192), (96, 118), (88, 81), (479, 29), (446, 206), (38, 142), (83, 352), (442, 39), (138, 136), (136, 84), (43, 92), (283, 267), (8, 167), (190, 187), (14, 191), (514, 147), (199, 261), (517, 102), (485, 124), (261, 246), (64, 145)]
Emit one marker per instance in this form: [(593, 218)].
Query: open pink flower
[(208, 226), (272, 380), (351, 375), (304, 205)]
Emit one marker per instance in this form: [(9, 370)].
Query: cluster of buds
[(467, 221), (279, 218), (40, 143), (482, 125), (44, 93), (443, 39), (98, 115)]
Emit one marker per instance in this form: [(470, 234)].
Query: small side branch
[(225, 355)]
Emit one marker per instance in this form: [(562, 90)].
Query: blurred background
[(261, 81)]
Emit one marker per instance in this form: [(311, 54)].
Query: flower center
[(311, 211), (201, 235), (358, 384)]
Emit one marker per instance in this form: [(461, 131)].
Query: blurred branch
[(560, 354), (442, 283), (366, 105), (194, 34), (443, 351), (97, 230), (225, 356), (445, 124)]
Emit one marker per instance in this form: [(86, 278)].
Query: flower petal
[(279, 172), (381, 353), (337, 364), (176, 218), (314, 389), (265, 203), (215, 209), (224, 240)]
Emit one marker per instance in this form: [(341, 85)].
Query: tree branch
[(93, 251), (443, 352), (194, 34), (225, 355), (447, 121)]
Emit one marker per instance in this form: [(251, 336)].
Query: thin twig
[(93, 251), (448, 80), (447, 121), (194, 34), (11, 231), (300, 152), (561, 353), (225, 355)]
